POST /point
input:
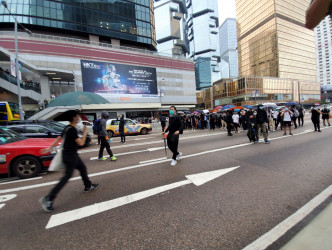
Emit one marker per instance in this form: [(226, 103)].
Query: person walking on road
[(315, 117), (121, 129), (235, 118), (326, 115), (174, 129), (103, 135), (286, 116), (70, 159), (262, 120), (229, 121)]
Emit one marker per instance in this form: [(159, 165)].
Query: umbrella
[(77, 98), (245, 105), (227, 107), (180, 112), (206, 111), (270, 105), (218, 107), (291, 103), (237, 107), (186, 112), (199, 111)]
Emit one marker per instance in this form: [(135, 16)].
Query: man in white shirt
[(275, 119), (235, 118), (286, 116)]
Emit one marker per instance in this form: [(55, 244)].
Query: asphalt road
[(271, 182)]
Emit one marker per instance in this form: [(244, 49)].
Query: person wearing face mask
[(262, 120), (121, 129), (286, 115), (174, 128), (315, 117), (103, 135)]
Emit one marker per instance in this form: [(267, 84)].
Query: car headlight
[(55, 150)]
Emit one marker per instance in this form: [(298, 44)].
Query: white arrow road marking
[(7, 197), (80, 213)]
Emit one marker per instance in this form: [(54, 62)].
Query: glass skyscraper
[(204, 40), (228, 49), (125, 20), (171, 27), (272, 39)]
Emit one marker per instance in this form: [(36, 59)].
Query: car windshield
[(59, 127), (7, 136)]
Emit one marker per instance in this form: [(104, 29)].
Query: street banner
[(12, 67)]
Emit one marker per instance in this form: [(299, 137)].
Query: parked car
[(20, 156), (131, 127), (42, 129)]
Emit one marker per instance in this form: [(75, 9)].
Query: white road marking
[(7, 197), (158, 159), (10, 182), (80, 213), (119, 154), (278, 231), (152, 142), (2, 205), (135, 166)]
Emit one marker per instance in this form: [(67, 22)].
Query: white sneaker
[(173, 163), (178, 156)]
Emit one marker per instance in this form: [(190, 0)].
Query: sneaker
[(102, 158), (256, 141), (113, 158), (290, 134), (319, 131), (267, 141), (92, 187), (46, 204), (285, 134), (173, 163), (178, 156)]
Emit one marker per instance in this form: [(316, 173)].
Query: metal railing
[(87, 42), (26, 86)]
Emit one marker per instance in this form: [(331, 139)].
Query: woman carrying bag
[(70, 159)]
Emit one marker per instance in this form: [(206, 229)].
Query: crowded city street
[(224, 193)]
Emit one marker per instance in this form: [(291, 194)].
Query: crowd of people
[(261, 120)]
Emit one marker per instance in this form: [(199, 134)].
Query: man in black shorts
[(326, 115)]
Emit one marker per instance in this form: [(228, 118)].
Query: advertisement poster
[(113, 79)]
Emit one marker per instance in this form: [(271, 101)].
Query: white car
[(81, 124)]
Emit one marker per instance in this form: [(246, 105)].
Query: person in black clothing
[(70, 159), (121, 129), (103, 135), (229, 121), (212, 122), (326, 115), (294, 117), (261, 120), (163, 122), (174, 129), (315, 117), (301, 116)]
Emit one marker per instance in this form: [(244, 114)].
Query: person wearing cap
[(261, 120), (286, 116)]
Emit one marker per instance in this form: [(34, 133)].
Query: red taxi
[(20, 156)]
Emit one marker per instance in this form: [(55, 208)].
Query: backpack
[(296, 113), (96, 126)]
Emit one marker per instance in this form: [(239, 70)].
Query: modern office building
[(105, 47), (256, 90), (272, 39), (171, 27), (204, 40), (323, 40), (228, 49)]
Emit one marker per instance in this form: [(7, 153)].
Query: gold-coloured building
[(257, 90), (272, 39)]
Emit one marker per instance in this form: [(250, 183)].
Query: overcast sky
[(226, 8)]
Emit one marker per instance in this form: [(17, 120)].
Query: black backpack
[(96, 126)]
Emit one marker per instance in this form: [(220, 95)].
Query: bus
[(9, 111)]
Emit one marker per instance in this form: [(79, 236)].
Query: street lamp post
[(4, 3)]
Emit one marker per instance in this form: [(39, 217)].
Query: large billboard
[(112, 79)]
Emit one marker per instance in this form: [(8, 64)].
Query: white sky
[(226, 8)]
